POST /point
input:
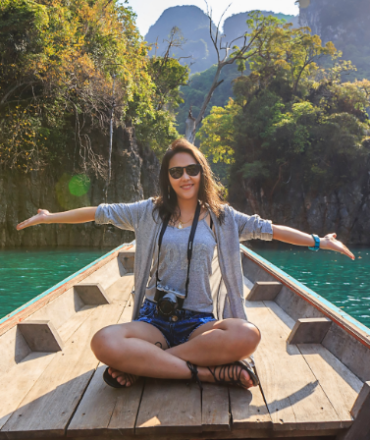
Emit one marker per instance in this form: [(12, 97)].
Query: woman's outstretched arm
[(298, 238), (43, 216)]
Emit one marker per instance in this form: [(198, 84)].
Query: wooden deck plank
[(104, 410), (126, 409), (339, 383), (215, 408), (49, 405), (294, 397), (169, 406), (119, 288), (360, 430), (248, 409), (242, 434), (69, 327), (13, 391)]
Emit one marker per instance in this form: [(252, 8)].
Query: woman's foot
[(124, 379), (226, 374)]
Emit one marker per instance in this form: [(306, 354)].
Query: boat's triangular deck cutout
[(127, 259), (41, 336), (264, 291), (309, 331), (92, 294)]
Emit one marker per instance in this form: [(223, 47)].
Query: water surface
[(26, 273), (341, 281)]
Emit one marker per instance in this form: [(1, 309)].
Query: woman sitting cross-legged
[(192, 322)]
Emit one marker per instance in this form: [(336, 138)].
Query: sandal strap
[(194, 374), (228, 374)]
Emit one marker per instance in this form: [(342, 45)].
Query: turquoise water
[(341, 281), (25, 274)]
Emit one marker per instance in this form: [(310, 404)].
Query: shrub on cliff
[(292, 119), (58, 61)]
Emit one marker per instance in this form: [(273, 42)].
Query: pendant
[(179, 226)]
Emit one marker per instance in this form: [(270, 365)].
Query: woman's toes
[(114, 373), (121, 380), (245, 379)]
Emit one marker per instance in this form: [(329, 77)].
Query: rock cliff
[(193, 26), (345, 211), (134, 175), (346, 24)]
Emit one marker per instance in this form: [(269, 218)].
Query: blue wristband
[(317, 243)]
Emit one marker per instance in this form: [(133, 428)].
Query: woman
[(185, 329)]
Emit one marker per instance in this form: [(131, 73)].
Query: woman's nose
[(185, 176)]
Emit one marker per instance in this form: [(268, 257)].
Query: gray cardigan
[(226, 280)]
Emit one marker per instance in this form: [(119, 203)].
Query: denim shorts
[(176, 328)]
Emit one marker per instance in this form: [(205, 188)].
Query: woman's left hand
[(330, 243)]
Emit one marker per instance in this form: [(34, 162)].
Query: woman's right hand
[(39, 218)]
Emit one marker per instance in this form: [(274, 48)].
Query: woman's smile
[(186, 187)]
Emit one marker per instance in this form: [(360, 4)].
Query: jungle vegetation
[(58, 61), (292, 117), (290, 113)]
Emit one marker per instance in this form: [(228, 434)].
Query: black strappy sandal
[(194, 374), (228, 374), (112, 382)]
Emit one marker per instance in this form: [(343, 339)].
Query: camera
[(168, 300)]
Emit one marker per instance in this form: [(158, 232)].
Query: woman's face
[(186, 187)]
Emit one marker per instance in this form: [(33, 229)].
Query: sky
[(148, 11)]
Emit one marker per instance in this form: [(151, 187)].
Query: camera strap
[(190, 245)]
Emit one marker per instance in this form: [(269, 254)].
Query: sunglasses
[(191, 170)]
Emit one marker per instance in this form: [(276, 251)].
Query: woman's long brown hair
[(209, 189)]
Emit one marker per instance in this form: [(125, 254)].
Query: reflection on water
[(25, 273), (343, 282)]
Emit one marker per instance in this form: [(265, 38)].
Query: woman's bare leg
[(238, 339), (131, 348), (219, 342)]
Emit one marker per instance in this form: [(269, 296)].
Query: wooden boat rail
[(313, 363)]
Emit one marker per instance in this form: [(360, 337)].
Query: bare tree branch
[(248, 50)]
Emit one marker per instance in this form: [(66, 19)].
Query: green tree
[(291, 117), (58, 60)]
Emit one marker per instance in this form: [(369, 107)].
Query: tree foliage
[(217, 134), (292, 118), (58, 59)]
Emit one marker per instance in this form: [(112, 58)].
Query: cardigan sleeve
[(122, 215), (252, 226)]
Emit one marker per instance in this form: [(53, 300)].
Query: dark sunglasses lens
[(193, 170), (176, 172)]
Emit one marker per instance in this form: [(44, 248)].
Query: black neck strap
[(190, 245)]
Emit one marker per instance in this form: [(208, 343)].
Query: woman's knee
[(245, 337), (105, 342)]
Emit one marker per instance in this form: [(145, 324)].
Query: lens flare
[(71, 191), (79, 185)]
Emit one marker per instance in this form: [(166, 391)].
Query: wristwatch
[(317, 243)]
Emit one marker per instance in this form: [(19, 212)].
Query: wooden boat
[(313, 363)]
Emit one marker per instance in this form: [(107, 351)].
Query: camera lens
[(167, 304)]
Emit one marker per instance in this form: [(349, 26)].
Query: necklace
[(181, 224)]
